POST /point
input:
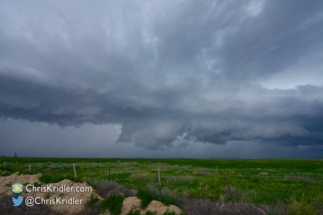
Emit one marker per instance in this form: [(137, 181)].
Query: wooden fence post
[(159, 181), (109, 176), (75, 175), (29, 168)]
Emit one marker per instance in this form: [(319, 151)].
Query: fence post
[(75, 175), (109, 176), (29, 168), (159, 182)]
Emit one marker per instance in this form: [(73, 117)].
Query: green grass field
[(263, 181)]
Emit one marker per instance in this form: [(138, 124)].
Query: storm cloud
[(168, 73)]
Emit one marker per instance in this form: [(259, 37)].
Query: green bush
[(137, 212), (91, 202), (146, 197), (151, 213), (113, 203), (166, 200)]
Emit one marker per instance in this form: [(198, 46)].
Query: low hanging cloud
[(180, 71)]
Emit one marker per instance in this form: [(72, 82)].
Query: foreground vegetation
[(294, 182)]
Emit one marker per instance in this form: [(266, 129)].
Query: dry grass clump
[(107, 188), (164, 191), (202, 207), (264, 174)]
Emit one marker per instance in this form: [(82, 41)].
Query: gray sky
[(233, 78)]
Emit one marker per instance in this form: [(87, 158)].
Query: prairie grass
[(294, 183)]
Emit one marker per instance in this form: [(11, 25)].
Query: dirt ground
[(130, 203), (7, 181), (133, 203)]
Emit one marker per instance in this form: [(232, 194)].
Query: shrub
[(146, 197), (92, 201), (113, 203), (137, 212), (107, 188), (206, 206), (151, 213), (166, 200)]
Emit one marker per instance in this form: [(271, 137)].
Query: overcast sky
[(187, 78)]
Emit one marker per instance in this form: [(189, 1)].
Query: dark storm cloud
[(277, 38), (168, 72)]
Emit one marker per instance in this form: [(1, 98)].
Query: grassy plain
[(260, 181)]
